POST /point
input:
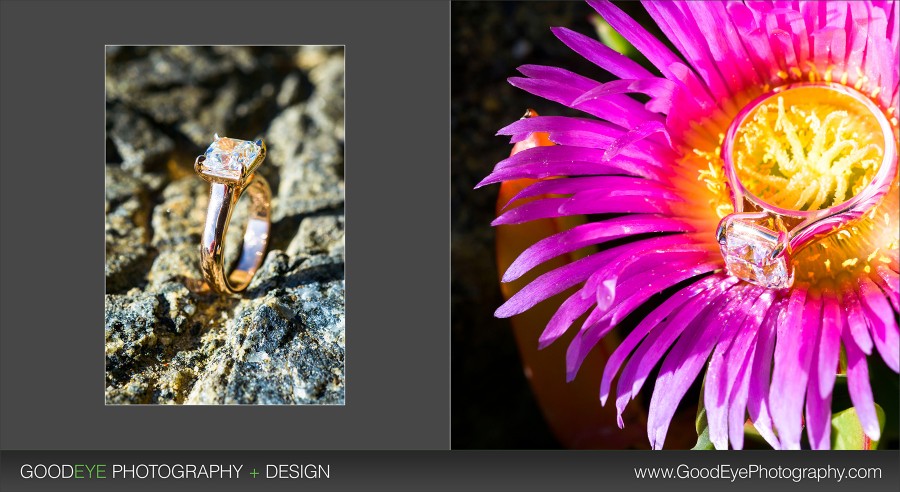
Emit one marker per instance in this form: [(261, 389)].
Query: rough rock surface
[(168, 340)]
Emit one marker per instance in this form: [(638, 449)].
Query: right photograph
[(675, 225)]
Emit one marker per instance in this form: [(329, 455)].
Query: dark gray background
[(51, 201)]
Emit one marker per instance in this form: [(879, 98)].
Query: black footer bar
[(519, 471)]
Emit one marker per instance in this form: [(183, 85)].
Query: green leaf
[(703, 442), (847, 432), (611, 38)]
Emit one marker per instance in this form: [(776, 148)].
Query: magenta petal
[(793, 354), (893, 30), (572, 80), (663, 94), (604, 279), (555, 207), (568, 186), (553, 91), (740, 359), (573, 307), (560, 161), (890, 284), (659, 341), (737, 406), (593, 135), (823, 39), (538, 209), (599, 54), (549, 155), (829, 344), (720, 377), (837, 17), (615, 278), (659, 157), (727, 46), (684, 363), (859, 388), (857, 321), (649, 323), (605, 202), (526, 126), (746, 20), (758, 396), (552, 283), (563, 86), (619, 109), (542, 170), (857, 37), (685, 35), (586, 235), (882, 322), (580, 346), (647, 44), (878, 66), (654, 87), (818, 411), (637, 290), (640, 132)]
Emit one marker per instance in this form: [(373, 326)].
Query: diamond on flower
[(749, 252), (228, 157)]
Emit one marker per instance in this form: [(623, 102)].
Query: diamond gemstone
[(748, 249), (227, 157)]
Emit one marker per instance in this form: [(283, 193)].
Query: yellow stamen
[(808, 151)]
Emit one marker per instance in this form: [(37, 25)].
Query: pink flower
[(649, 174)]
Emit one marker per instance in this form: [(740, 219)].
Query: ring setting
[(229, 165), (827, 153)]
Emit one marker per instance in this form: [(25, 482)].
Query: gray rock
[(172, 106), (142, 147), (133, 322), (168, 339), (181, 214), (312, 173), (291, 91), (326, 106), (160, 67), (319, 235), (286, 347), (128, 256)]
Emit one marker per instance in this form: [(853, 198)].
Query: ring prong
[(720, 230), (262, 149), (251, 168), (198, 161)]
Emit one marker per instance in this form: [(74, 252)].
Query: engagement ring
[(229, 165), (831, 165)]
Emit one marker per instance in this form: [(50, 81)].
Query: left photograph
[(224, 211)]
